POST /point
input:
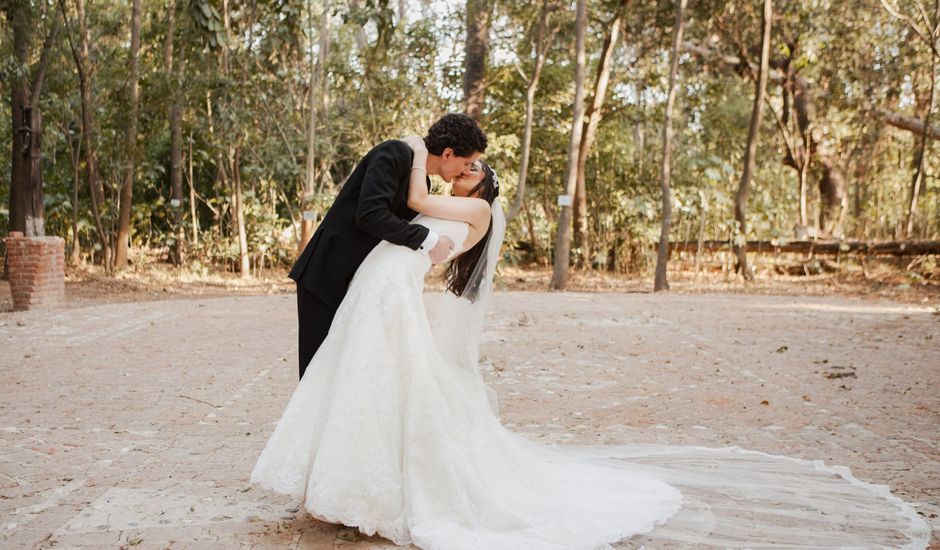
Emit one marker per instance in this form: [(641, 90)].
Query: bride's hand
[(416, 143), (417, 183)]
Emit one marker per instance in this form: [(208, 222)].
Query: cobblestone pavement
[(136, 425)]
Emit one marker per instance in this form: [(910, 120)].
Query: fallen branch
[(888, 248)]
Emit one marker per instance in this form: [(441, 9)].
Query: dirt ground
[(909, 281), (132, 416)]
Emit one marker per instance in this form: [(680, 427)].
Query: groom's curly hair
[(459, 132)]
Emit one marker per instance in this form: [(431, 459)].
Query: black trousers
[(314, 317)]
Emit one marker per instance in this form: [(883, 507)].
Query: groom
[(372, 206)]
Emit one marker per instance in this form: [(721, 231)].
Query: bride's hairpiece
[(495, 179)]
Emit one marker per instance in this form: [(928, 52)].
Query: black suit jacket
[(372, 206)]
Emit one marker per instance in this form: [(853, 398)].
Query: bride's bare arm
[(476, 212)]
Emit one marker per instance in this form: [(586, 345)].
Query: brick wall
[(36, 266)]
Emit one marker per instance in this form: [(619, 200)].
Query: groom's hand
[(441, 250)]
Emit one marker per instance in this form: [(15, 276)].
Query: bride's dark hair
[(459, 271)]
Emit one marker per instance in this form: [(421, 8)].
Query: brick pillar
[(36, 266)]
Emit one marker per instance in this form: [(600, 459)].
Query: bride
[(393, 431)]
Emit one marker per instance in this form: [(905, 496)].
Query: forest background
[(214, 134)]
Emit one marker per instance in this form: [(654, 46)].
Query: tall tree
[(244, 266), (563, 233), (74, 146), (543, 37), (80, 53), (478, 29), (127, 186), (920, 157), (744, 187), (662, 257), (797, 125), (581, 242), (27, 212), (317, 92), (928, 32), (233, 174), (175, 70)]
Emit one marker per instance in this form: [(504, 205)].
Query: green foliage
[(256, 107), (208, 20)]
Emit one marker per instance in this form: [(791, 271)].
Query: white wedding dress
[(388, 433)]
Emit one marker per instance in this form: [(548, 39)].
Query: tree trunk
[(831, 184), (127, 187), (192, 192), (244, 267), (803, 176), (478, 27), (175, 117), (95, 191), (921, 154), (75, 152), (869, 150), (533, 239), (22, 191), (323, 86), (832, 189), (316, 91), (309, 186), (26, 209), (744, 188), (703, 195), (176, 167), (831, 200), (540, 46), (581, 243), (563, 235), (234, 160), (662, 257)]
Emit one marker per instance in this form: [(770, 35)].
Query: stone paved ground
[(136, 425)]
